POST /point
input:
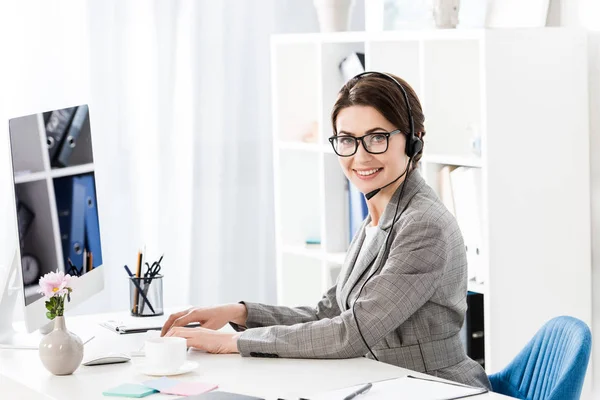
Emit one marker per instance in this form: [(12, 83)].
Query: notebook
[(129, 390), (407, 387), (149, 324)]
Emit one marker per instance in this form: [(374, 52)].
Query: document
[(407, 387)]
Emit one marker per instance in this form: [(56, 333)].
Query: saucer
[(187, 366)]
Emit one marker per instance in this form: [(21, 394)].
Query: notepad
[(180, 388), (408, 387), (129, 390)]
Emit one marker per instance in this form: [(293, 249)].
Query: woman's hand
[(207, 339), (209, 317)]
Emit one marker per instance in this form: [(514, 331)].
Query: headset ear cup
[(417, 146)]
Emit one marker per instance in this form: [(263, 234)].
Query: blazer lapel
[(358, 261), (350, 261), (364, 260)]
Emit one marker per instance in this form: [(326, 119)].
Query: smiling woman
[(401, 295)]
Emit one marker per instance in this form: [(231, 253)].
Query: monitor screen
[(55, 195)]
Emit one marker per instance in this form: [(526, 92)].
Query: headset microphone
[(374, 192)]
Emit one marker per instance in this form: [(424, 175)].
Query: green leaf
[(50, 315), (49, 306)]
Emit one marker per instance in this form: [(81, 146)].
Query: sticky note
[(161, 384), (129, 390), (190, 388), (180, 388)]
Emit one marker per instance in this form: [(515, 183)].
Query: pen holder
[(146, 296)]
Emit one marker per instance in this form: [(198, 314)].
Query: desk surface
[(23, 374)]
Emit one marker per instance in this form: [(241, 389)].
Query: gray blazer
[(410, 312)]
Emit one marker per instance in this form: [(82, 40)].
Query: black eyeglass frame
[(362, 140)]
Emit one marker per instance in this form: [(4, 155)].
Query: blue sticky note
[(129, 390), (161, 384)]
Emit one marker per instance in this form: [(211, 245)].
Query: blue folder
[(92, 226), (78, 218), (70, 196), (358, 208)]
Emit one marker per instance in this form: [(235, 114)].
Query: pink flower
[(55, 284)]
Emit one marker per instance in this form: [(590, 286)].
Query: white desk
[(22, 373)]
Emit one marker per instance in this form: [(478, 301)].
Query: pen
[(361, 390), (139, 290)]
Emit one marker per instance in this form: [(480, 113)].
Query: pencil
[(138, 273)]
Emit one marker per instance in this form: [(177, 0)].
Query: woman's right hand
[(208, 317)]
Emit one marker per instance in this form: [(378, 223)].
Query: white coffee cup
[(165, 354)]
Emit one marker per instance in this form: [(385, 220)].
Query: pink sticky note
[(189, 388)]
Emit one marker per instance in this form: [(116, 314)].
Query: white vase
[(445, 13), (333, 15), (61, 351)]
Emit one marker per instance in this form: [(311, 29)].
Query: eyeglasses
[(374, 143)]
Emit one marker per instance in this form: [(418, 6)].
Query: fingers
[(172, 318), (191, 316), (211, 324), (182, 332), (185, 333)]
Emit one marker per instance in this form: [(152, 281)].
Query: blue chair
[(552, 366)]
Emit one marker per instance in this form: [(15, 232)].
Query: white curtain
[(179, 95), (181, 112)]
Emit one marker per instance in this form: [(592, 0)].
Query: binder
[(70, 202), (467, 194), (446, 194), (70, 141), (92, 225), (352, 65), (57, 123), (474, 327), (358, 209)]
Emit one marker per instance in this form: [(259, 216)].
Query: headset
[(414, 145)]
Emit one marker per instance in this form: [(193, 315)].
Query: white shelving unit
[(34, 179), (522, 91)]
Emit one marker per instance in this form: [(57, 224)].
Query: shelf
[(30, 177), (32, 290), (316, 253), (398, 35), (311, 252), (335, 258), (54, 173), (69, 171), (474, 162), (476, 287)]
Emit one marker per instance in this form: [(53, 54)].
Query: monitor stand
[(9, 336)]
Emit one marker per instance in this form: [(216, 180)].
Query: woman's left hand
[(207, 339)]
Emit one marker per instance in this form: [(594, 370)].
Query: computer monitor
[(56, 215)]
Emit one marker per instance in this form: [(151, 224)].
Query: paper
[(179, 388), (129, 390), (407, 387)]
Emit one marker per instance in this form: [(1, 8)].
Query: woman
[(401, 295)]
